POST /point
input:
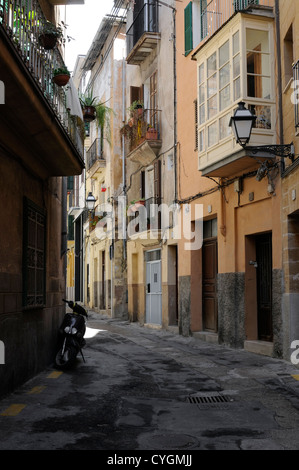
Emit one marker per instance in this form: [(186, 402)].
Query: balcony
[(36, 110), (67, 2), (95, 157), (143, 34), (143, 137), (144, 218)]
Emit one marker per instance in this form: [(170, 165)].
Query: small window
[(34, 256), (210, 229), (152, 255)]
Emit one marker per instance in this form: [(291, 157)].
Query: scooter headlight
[(67, 329), (74, 331)]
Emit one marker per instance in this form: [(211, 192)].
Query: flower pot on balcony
[(89, 113), (151, 134), (61, 76), (61, 79), (135, 205)]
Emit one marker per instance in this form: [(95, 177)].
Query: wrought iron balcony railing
[(94, 153), (146, 21), (23, 22), (147, 213), (143, 125)]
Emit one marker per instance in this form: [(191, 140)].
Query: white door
[(153, 292)]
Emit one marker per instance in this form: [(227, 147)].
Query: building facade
[(103, 248), (230, 290), (40, 145), (288, 118), (149, 138)]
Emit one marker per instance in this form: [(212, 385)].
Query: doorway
[(209, 276), (153, 313), (264, 286), (258, 287), (103, 283)]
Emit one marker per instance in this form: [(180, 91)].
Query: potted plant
[(49, 35), (151, 133), (136, 108), (136, 203), (61, 76), (88, 103)]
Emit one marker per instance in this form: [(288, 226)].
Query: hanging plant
[(50, 34), (88, 103), (61, 76)]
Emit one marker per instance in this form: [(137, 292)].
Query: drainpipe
[(63, 248), (123, 156), (174, 105), (279, 85)]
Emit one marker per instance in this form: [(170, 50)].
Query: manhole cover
[(211, 400)]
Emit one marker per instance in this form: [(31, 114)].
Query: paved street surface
[(147, 389)]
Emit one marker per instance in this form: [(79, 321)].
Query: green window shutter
[(188, 29)]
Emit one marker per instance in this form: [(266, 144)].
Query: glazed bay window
[(235, 65), (230, 73)]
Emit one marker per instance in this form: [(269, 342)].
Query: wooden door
[(209, 279)]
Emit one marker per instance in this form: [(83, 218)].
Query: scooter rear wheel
[(67, 359)]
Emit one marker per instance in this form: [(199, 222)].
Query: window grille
[(34, 256)]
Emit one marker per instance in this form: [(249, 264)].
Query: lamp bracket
[(284, 151)]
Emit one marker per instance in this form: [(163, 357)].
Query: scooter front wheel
[(65, 359)]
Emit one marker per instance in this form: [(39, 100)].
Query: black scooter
[(71, 336)]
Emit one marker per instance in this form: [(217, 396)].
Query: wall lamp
[(90, 202), (242, 123)]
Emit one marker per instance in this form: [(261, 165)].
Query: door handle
[(148, 288), (253, 263)]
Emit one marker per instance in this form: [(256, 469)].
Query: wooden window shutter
[(196, 124), (157, 181), (188, 29)]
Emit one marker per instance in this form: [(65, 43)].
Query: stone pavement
[(145, 389)]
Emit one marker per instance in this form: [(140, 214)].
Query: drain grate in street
[(210, 400)]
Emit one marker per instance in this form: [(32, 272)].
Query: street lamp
[(242, 123), (90, 202)]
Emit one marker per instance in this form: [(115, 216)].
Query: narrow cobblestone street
[(148, 389)]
